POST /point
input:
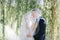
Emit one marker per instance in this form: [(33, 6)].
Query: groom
[(39, 26), (40, 29)]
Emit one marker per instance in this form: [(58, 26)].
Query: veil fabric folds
[(26, 24)]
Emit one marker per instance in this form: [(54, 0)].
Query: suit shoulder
[(42, 20)]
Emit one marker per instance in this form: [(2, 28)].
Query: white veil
[(27, 19)]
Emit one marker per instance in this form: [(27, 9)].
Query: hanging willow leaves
[(2, 12)]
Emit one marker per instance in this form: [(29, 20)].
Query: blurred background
[(11, 12)]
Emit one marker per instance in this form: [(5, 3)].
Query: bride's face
[(34, 14)]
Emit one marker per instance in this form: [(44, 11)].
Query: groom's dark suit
[(40, 30)]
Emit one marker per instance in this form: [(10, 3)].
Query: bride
[(29, 24)]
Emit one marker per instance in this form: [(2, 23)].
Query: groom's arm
[(41, 28), (42, 25)]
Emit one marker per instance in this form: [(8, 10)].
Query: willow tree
[(47, 14), (56, 13), (52, 15), (13, 10), (2, 12)]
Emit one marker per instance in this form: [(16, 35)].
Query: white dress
[(26, 20)]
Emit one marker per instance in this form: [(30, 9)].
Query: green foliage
[(13, 10)]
